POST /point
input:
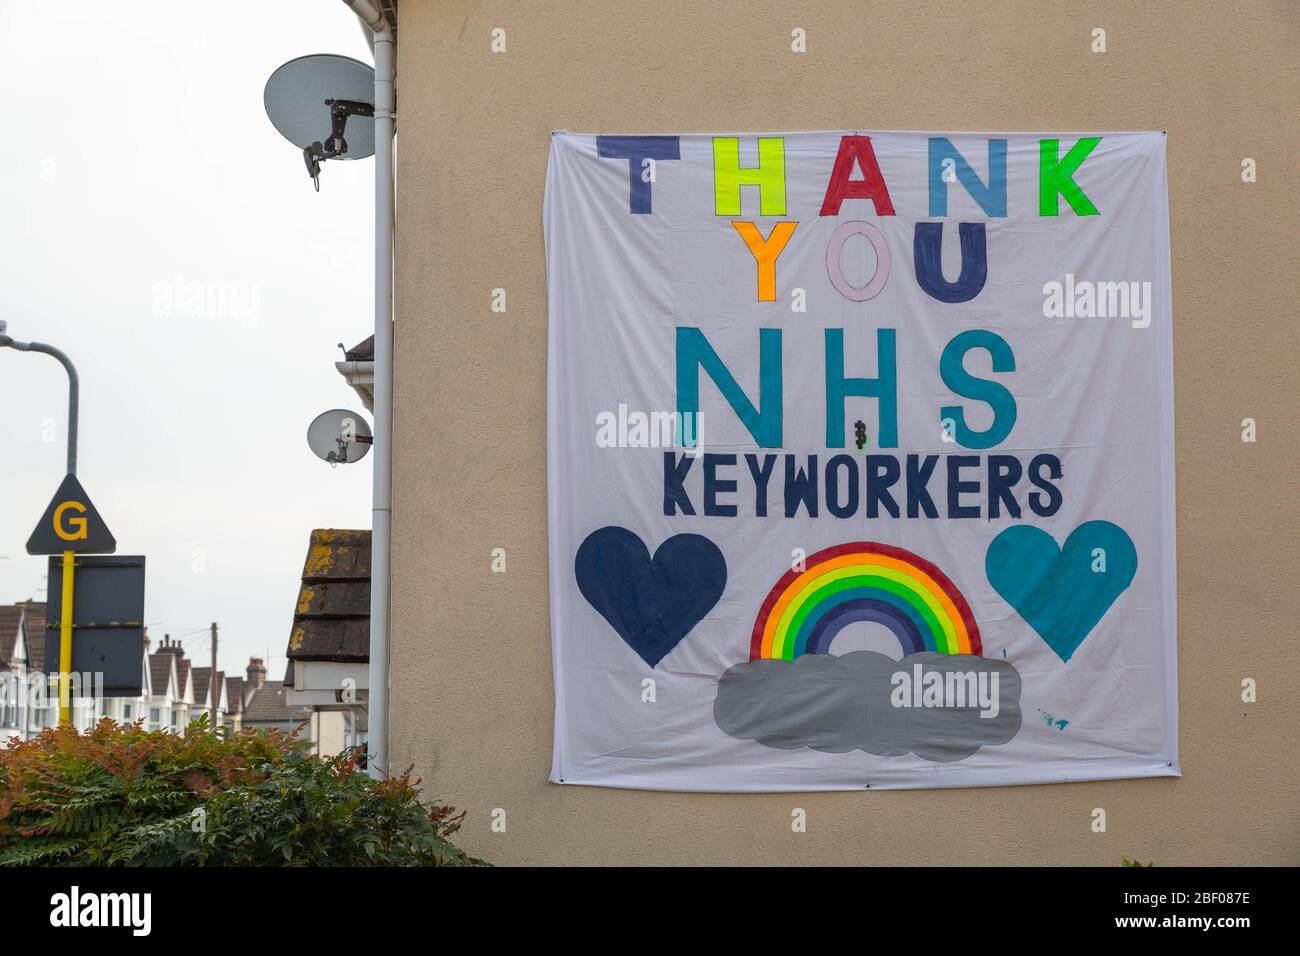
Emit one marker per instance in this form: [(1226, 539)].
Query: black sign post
[(108, 621)]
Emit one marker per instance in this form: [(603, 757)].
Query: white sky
[(137, 155)]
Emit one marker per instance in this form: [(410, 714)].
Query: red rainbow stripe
[(916, 569)]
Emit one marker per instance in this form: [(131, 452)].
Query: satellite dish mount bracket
[(334, 145), (347, 435)]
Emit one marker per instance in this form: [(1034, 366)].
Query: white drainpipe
[(381, 511)]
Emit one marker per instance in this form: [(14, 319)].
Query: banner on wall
[(860, 460)]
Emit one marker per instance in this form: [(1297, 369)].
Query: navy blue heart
[(651, 603)]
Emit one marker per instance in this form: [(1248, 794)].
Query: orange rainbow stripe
[(864, 581)]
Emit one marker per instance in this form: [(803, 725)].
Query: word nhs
[(951, 689)]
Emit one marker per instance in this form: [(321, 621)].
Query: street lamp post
[(69, 557), (74, 385)]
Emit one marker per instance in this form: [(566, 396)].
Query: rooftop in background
[(331, 621), (235, 694), (266, 706), (36, 632), (11, 615), (160, 671), (201, 675)]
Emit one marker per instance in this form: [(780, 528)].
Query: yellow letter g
[(70, 529)]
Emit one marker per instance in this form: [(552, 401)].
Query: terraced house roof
[(11, 616)]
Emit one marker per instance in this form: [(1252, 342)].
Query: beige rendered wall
[(471, 677)]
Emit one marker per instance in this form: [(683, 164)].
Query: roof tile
[(363, 351), (267, 705), (160, 672), (11, 615), (235, 694), (35, 632), (331, 620)]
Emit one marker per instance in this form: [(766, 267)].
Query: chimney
[(256, 673)]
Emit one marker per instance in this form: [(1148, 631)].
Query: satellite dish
[(325, 105), (339, 436)]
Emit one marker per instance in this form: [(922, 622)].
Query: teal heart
[(1056, 590)]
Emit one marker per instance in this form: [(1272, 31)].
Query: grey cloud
[(837, 704)]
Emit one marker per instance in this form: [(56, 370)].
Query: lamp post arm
[(74, 388)]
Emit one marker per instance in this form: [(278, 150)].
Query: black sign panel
[(71, 523), (107, 619)]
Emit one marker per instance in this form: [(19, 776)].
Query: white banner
[(860, 460)]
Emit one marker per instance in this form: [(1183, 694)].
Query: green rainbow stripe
[(863, 581)]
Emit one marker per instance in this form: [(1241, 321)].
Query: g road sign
[(71, 523)]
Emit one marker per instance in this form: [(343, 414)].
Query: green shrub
[(124, 796)]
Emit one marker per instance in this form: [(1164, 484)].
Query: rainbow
[(863, 581)]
